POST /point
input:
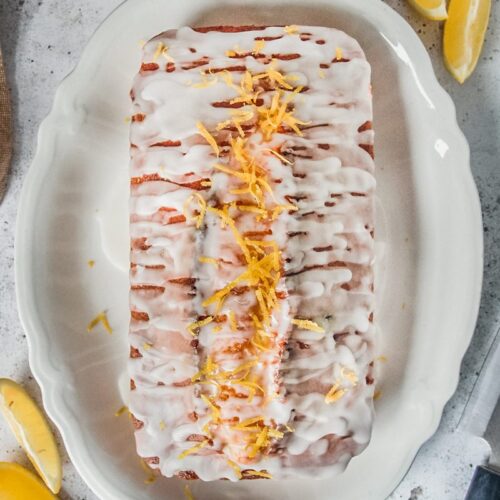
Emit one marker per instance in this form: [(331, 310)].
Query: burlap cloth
[(5, 130)]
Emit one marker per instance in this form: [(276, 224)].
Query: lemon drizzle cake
[(251, 219)]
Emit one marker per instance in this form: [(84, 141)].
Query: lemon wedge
[(435, 10), (18, 483), (32, 431), (464, 36)]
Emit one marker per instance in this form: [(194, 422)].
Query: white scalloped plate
[(74, 208)]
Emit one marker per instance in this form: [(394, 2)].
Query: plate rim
[(45, 371)]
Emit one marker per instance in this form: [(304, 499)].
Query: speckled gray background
[(42, 40)]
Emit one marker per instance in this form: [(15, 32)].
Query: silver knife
[(482, 418)]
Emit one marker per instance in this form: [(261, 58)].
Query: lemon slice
[(431, 9), (464, 36), (32, 432), (18, 483)]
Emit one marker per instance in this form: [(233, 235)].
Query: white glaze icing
[(328, 262)]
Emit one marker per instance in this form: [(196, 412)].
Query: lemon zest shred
[(334, 394), (282, 208), (242, 367), (338, 54), (252, 208), (205, 82), (230, 222), (259, 473), (278, 155), (274, 76), (291, 29), (195, 325), (259, 346), (307, 324), (166, 55), (90, 263), (247, 82), (258, 46), (202, 209), (250, 429), (208, 137), (249, 421), (121, 411), (216, 384), (232, 321), (349, 375), (260, 443), (100, 318), (208, 260), (151, 476), (187, 493), (238, 117), (193, 449), (271, 118), (252, 387), (158, 51), (215, 409), (231, 171), (275, 433), (235, 467), (223, 124)]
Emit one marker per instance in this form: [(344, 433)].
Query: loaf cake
[(252, 247)]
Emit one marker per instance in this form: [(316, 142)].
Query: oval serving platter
[(73, 209)]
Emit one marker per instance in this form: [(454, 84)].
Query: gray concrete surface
[(42, 41)]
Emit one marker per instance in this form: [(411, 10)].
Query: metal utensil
[(482, 418)]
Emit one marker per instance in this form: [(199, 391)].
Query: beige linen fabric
[(5, 130)]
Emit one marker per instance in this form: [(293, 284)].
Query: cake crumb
[(415, 493)]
